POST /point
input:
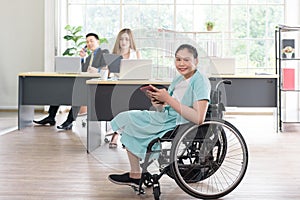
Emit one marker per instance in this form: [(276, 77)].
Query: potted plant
[(209, 25), (77, 40)]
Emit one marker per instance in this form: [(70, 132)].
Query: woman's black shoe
[(66, 126), (47, 120), (124, 179)]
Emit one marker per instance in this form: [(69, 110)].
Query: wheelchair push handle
[(226, 82), (215, 94)]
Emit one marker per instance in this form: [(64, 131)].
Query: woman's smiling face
[(185, 63)]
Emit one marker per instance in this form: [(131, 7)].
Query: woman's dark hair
[(190, 48), (92, 34)]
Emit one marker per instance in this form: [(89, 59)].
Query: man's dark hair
[(92, 34)]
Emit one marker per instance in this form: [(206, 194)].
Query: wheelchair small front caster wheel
[(148, 180), (106, 140), (148, 183), (156, 192)]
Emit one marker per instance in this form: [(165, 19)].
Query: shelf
[(290, 122), (189, 32), (284, 90), (286, 28), (288, 59)]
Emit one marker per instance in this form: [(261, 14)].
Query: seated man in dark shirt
[(93, 63)]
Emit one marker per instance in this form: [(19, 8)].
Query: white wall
[(22, 45)]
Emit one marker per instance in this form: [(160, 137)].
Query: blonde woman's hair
[(117, 49)]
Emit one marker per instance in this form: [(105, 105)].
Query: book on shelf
[(288, 79)]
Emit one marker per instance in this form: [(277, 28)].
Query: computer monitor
[(113, 62)]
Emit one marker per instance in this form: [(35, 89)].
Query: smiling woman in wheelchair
[(186, 100)]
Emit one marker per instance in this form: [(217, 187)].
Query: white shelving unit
[(287, 67)]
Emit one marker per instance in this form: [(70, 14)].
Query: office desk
[(49, 88), (108, 98), (105, 99)]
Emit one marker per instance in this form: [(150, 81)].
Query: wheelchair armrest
[(179, 128)]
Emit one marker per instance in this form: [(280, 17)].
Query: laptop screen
[(135, 69), (113, 61), (64, 64)]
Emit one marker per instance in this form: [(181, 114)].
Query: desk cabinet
[(48, 88), (260, 91)]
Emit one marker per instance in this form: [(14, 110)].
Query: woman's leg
[(134, 161), (114, 140), (131, 178)]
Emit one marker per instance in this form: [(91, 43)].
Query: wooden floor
[(44, 163)]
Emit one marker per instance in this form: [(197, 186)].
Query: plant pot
[(288, 55), (209, 28)]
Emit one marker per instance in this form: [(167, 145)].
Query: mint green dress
[(139, 127)]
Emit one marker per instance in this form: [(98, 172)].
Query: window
[(247, 26)]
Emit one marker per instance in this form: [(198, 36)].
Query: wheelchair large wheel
[(209, 160)]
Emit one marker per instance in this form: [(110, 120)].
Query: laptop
[(66, 64), (135, 69), (222, 66), (113, 61)]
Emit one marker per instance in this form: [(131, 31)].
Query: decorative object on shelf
[(288, 82), (209, 25), (288, 51)]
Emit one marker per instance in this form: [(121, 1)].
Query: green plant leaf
[(77, 30), (68, 27), (76, 38), (68, 37), (103, 40), (81, 44), (67, 53), (70, 51)]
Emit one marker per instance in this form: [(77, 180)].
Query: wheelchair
[(207, 161)]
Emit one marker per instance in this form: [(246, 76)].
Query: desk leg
[(94, 139), (25, 116)]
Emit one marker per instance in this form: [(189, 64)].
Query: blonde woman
[(126, 47)]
